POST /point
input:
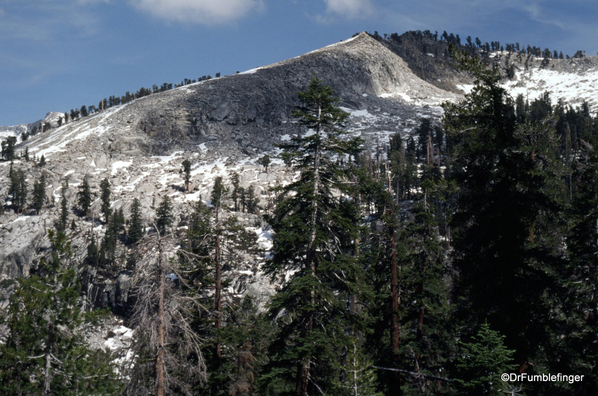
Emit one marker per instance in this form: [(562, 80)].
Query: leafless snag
[(168, 357)]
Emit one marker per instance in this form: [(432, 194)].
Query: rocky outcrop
[(220, 125)]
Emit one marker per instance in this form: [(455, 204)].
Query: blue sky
[(56, 55)]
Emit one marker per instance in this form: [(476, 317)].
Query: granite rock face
[(221, 125)]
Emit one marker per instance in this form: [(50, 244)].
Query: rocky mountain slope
[(224, 125)]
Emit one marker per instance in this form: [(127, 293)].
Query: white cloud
[(207, 12), (349, 8), (346, 9)]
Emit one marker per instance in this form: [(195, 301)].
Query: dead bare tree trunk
[(168, 354), (48, 361), (218, 291), (394, 281), (160, 357), (218, 302)]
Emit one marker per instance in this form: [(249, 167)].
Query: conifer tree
[(164, 215), (482, 361), (186, 171), (64, 211), (92, 252), (39, 193), (18, 189), (84, 197), (265, 162), (8, 148), (217, 198), (235, 193), (308, 222), (507, 250), (580, 350), (208, 249), (42, 161), (136, 225), (45, 352), (105, 197), (251, 201), (168, 356)]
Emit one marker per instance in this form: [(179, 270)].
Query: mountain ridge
[(221, 125)]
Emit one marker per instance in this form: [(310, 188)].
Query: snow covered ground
[(572, 88)]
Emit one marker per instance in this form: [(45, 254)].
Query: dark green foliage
[(580, 351), (213, 247), (509, 232), (84, 197), (312, 229), (264, 161), (92, 252), (105, 197), (109, 245), (45, 351), (136, 223), (18, 188), (39, 193), (186, 171), (42, 161), (164, 336), (164, 216), (236, 192), (250, 201), (481, 362), (8, 148), (64, 211), (429, 344), (218, 192)]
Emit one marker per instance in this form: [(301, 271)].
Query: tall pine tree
[(309, 223)]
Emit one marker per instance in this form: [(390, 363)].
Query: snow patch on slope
[(572, 88)]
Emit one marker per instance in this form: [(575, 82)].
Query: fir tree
[(482, 361), (251, 201), (8, 148), (168, 356), (42, 161), (18, 189), (508, 230), (39, 193), (235, 193), (45, 351), (105, 197), (577, 348), (265, 162), (308, 222), (135, 225), (208, 249), (64, 211), (164, 215), (92, 252), (186, 171), (84, 197)]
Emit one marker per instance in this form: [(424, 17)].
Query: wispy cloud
[(204, 12), (346, 9), (47, 20)]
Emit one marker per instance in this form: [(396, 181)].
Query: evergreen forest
[(431, 266)]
